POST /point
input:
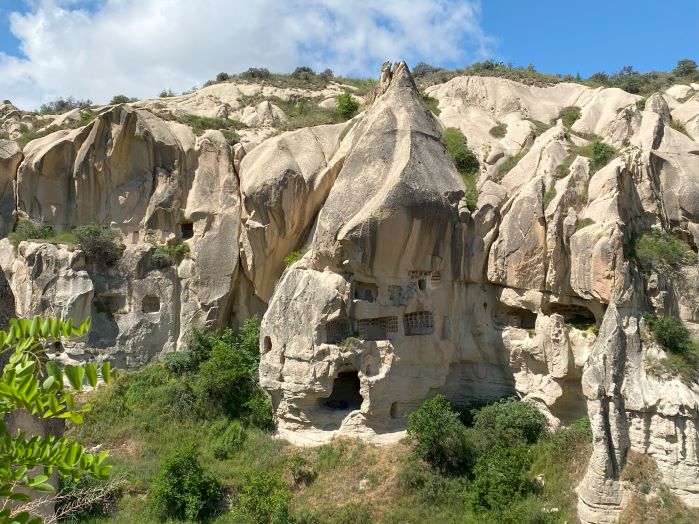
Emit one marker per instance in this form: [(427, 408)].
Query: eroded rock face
[(401, 291)]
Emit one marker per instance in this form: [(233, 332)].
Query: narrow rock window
[(505, 316), (187, 230), (267, 344), (365, 291), (345, 394), (150, 304), (394, 410), (418, 323)]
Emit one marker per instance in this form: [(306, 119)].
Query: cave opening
[(345, 393)]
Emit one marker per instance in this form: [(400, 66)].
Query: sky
[(99, 48)]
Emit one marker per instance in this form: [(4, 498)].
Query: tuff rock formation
[(401, 290)]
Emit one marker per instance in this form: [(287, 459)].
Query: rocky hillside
[(391, 260)]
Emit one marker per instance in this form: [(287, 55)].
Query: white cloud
[(96, 49)]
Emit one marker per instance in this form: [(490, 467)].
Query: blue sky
[(98, 48)]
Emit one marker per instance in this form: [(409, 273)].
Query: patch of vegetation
[(304, 113), (549, 195), (346, 106), (498, 131), (569, 115), (583, 222), (465, 161), (166, 255), (122, 99), (659, 251), (27, 135), (641, 104), (509, 163), (263, 499), (430, 103), (487, 457), (683, 353), (598, 152), (29, 229), (540, 127), (199, 124), (292, 258), (98, 243), (183, 490), (583, 324), (63, 105), (166, 93), (680, 128), (630, 80)]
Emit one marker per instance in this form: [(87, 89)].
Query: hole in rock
[(267, 344), (365, 291), (418, 323), (394, 410), (150, 304), (422, 284), (506, 316), (575, 315), (377, 328), (345, 393), (187, 230)]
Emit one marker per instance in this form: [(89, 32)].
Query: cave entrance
[(187, 230), (576, 316), (345, 394)]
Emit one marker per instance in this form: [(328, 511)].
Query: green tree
[(346, 106), (685, 67), (33, 384)]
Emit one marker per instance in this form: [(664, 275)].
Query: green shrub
[(601, 155), (683, 353), (166, 93), (432, 486), (465, 161), (292, 258), (98, 243), (168, 254), (569, 115), (498, 131), (63, 105), (679, 127), (122, 99), (657, 250), (265, 499), (549, 195), (583, 222), (29, 229), (27, 136), (301, 471), (685, 67), (256, 73), (500, 478), (509, 163), (182, 490), (181, 362), (439, 437), (347, 106), (228, 437), (430, 103), (510, 422), (539, 127)]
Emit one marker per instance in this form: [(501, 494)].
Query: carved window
[(377, 328), (336, 331), (418, 323)]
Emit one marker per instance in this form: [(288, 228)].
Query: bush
[(98, 243), (63, 105), (465, 161), (222, 77), (168, 254), (679, 127), (510, 422), (29, 229), (265, 499), (683, 354), (685, 67), (347, 106), (121, 99), (303, 73), (601, 155), (181, 362), (166, 93), (327, 75), (498, 131), (256, 73), (182, 490), (228, 437), (292, 258), (500, 478), (439, 436), (422, 69), (569, 115), (430, 103), (509, 163), (659, 251)]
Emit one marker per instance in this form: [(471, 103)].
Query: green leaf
[(106, 372), (49, 382), (91, 372), (75, 376), (34, 327)]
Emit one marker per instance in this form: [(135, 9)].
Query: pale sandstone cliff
[(402, 291)]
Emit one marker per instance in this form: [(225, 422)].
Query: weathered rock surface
[(400, 291)]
